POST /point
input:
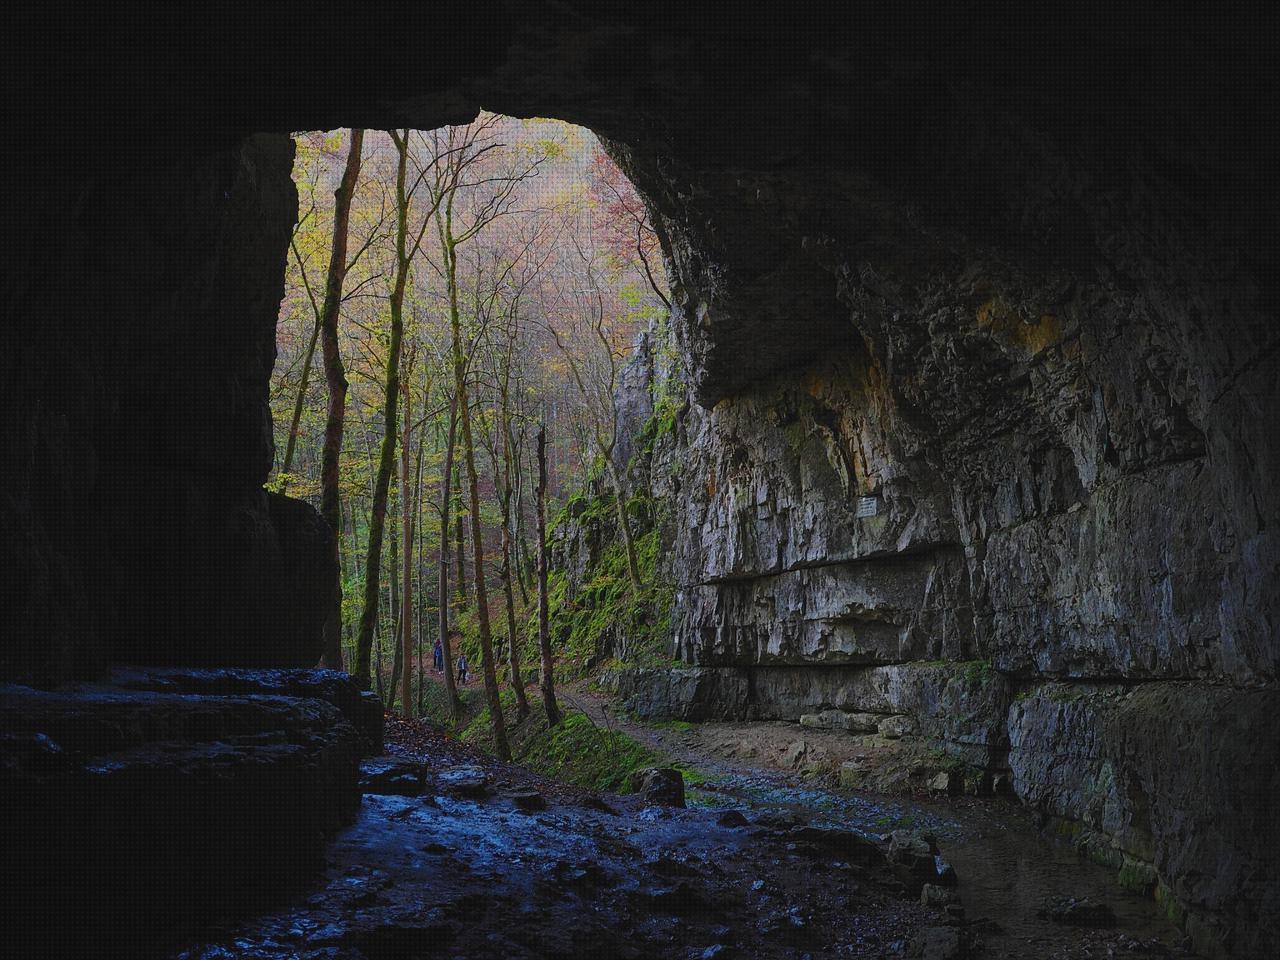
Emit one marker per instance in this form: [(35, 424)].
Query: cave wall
[(137, 433), (1011, 276), (1058, 397)]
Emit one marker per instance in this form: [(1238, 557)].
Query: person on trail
[(437, 654), (462, 669)]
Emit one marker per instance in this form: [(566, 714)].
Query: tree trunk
[(354, 550), (501, 748), (544, 632), (460, 546), (419, 586), (386, 461), (513, 649), (335, 376), (517, 547), (296, 418), (406, 580), (393, 617), (517, 681), (446, 503)]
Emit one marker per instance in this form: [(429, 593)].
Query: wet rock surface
[(360, 708), (810, 872), (475, 877), (1106, 763), (112, 793)]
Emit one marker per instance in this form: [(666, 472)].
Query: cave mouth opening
[(512, 258)]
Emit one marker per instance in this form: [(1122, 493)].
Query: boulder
[(945, 871), (893, 728), (845, 844), (841, 720), (912, 857), (470, 782), (948, 783), (527, 799), (861, 722), (663, 786), (581, 874), (595, 802), (852, 772), (795, 753), (731, 818), (939, 897)]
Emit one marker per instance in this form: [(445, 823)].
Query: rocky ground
[(1025, 896), (457, 855)]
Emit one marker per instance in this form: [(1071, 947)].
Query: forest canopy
[(455, 301)]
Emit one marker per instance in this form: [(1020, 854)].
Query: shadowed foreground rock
[(486, 873), (131, 814)]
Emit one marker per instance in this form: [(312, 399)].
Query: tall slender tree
[(405, 252), (407, 531), (594, 357), (489, 196), (449, 244), (549, 703), (336, 378), (446, 507)]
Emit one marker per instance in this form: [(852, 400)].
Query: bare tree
[(330, 504), (544, 632), (446, 504), (470, 196), (406, 251), (593, 353)]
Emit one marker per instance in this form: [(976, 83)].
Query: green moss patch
[(607, 602)]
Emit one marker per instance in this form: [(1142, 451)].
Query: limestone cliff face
[(1066, 473), (960, 478)]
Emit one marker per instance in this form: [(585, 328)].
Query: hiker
[(462, 669), (437, 654)]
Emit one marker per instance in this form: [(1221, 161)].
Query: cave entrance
[(507, 261)]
